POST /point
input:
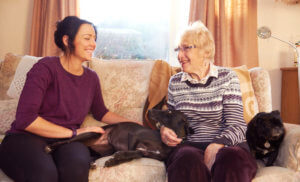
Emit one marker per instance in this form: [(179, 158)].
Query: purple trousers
[(232, 164)]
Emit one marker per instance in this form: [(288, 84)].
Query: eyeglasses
[(184, 48)]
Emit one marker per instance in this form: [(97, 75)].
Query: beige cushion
[(7, 71), (274, 173), (261, 84), (124, 85), (138, 170), (7, 114), (248, 97)]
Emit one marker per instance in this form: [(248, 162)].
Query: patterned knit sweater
[(213, 106)]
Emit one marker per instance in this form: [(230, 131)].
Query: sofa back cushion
[(124, 85)]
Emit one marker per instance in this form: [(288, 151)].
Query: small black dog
[(264, 135), (130, 140)]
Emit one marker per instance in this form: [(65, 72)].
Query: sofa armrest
[(289, 152)]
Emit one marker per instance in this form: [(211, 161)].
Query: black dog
[(264, 135), (130, 140)]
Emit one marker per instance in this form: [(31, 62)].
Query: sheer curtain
[(233, 24), (45, 15)]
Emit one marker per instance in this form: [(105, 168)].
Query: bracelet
[(74, 132)]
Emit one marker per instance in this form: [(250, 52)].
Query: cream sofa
[(125, 85)]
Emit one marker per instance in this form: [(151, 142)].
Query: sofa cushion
[(7, 114), (275, 173), (7, 71), (289, 151), (4, 178), (248, 97), (17, 84), (139, 170), (124, 85)]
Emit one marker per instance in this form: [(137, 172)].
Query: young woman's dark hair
[(69, 26)]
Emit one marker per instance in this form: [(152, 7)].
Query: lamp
[(265, 33)]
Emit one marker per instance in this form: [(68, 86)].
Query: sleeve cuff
[(222, 140)]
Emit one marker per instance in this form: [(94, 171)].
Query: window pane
[(131, 29), (135, 29)]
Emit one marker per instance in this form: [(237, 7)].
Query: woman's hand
[(169, 137), (210, 154), (95, 129)]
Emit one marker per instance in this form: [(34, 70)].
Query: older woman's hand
[(169, 137), (210, 154)]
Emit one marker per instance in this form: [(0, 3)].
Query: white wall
[(15, 23), (283, 20)]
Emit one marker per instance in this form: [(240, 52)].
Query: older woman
[(58, 93), (210, 97)]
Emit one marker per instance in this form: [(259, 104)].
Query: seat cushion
[(138, 170), (276, 174)]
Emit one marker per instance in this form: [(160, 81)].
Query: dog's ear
[(276, 113)]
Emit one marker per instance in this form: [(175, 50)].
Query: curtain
[(233, 24), (45, 15)]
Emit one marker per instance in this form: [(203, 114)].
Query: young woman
[(210, 97), (58, 93)]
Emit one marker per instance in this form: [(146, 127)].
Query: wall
[(15, 23), (283, 20), (16, 17)]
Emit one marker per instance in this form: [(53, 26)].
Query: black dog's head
[(173, 119), (264, 135)]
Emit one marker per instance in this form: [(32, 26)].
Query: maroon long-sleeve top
[(58, 96)]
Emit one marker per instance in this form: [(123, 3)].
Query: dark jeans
[(232, 164), (23, 158)]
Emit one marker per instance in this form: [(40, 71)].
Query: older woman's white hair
[(197, 34)]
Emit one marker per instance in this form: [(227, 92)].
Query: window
[(136, 29)]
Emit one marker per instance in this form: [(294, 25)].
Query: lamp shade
[(264, 32)]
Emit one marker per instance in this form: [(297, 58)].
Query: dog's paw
[(93, 165), (111, 162)]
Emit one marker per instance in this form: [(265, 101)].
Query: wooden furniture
[(290, 107)]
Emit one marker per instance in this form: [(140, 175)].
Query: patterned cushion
[(124, 85), (248, 97), (262, 88), (7, 71), (7, 114)]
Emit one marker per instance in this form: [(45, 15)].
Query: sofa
[(125, 87)]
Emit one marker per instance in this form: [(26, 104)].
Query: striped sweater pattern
[(214, 109)]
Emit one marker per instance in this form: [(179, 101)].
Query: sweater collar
[(213, 72)]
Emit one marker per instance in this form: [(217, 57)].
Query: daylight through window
[(136, 29)]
